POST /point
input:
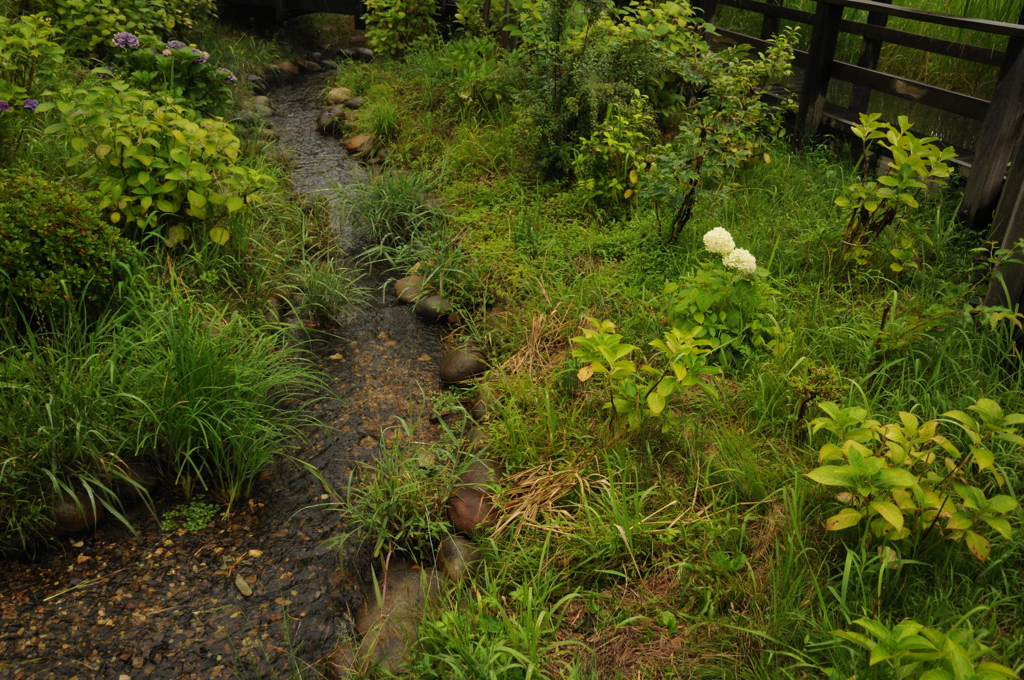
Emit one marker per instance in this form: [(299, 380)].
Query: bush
[(28, 59), (182, 72), (88, 25), (151, 163), (53, 247), (394, 27)]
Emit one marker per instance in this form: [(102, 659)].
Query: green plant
[(54, 249), (904, 480), (877, 206), (89, 25), (680, 353), (610, 163), (328, 289), (394, 207), (217, 388), (476, 63), (380, 119), (394, 27), (152, 164), (181, 72), (28, 58), (722, 122), (195, 515), (917, 652), (400, 504), (728, 302)]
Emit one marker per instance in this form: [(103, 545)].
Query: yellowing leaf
[(102, 150), (846, 518), (889, 512), (634, 178), (585, 373), (219, 235), (627, 193)]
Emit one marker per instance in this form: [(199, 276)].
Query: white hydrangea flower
[(719, 241), (740, 259)]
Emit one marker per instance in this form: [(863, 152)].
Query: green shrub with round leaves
[(54, 248)]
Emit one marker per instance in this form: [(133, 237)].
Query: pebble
[(243, 586)]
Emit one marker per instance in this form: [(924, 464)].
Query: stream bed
[(166, 604)]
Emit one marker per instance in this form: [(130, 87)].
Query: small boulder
[(289, 68), (482, 473), (460, 365), (329, 65), (470, 508), (433, 308), (316, 56), (360, 145), (457, 558), (262, 101), (71, 517), (363, 53), (354, 103), (484, 406), (257, 85), (332, 120), (338, 95), (408, 289), (308, 66), (477, 439)]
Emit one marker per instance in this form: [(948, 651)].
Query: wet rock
[(333, 119), (408, 289), (354, 103), (360, 144), (433, 308), (308, 66), (477, 439), (338, 95), (460, 365), (329, 65), (470, 509), (262, 101), (257, 85), (289, 68), (457, 558), (144, 478), (316, 56), (363, 53), (389, 626), (484, 406), (482, 473), (70, 517)]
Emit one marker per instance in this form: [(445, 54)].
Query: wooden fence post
[(1007, 229), (820, 56), (999, 132), (708, 9), (770, 24), (870, 50)]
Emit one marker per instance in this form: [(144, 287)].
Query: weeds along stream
[(166, 604)]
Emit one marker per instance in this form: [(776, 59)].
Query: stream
[(166, 605)]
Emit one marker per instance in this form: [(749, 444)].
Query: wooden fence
[(991, 195)]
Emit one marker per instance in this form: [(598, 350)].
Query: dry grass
[(547, 344), (535, 498)]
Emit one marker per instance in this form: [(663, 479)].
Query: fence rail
[(1001, 116)]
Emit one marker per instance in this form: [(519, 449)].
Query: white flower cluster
[(720, 242), (742, 260)]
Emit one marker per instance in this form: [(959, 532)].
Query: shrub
[(28, 58), (53, 246), (394, 27), (151, 163), (394, 207), (181, 72), (90, 25)]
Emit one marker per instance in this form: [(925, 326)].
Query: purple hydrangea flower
[(124, 39), (107, 76), (176, 45), (230, 77), (30, 104), (4, 106), (203, 56)]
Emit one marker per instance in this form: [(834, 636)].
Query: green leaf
[(1000, 524), (219, 235), (235, 203), (197, 200), (889, 512), (656, 403), (1002, 504), (102, 150), (832, 475), (846, 518), (978, 545)]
